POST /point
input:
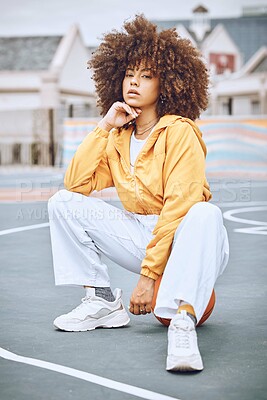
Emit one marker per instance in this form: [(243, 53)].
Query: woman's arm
[(89, 169)]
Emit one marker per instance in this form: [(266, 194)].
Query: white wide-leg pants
[(82, 228)]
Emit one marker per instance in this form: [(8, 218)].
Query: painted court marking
[(259, 228), (86, 376), (23, 228)]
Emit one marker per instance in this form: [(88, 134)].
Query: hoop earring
[(162, 98)]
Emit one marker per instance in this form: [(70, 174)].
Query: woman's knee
[(59, 198), (64, 199), (206, 211), (75, 205)]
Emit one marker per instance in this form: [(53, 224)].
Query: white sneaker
[(94, 312), (183, 353)]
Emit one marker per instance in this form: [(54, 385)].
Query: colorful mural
[(236, 148)]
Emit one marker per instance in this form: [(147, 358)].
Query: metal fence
[(35, 137)]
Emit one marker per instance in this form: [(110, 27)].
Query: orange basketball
[(166, 321)]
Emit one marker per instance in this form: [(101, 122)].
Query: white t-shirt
[(136, 146)]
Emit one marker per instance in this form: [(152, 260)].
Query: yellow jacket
[(169, 177)]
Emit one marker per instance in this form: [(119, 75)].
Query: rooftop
[(200, 9), (249, 33), (31, 53)]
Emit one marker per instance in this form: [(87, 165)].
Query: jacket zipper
[(137, 194), (135, 183)]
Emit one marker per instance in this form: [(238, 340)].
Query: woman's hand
[(118, 115), (141, 299)]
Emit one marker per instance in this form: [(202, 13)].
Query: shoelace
[(182, 338), (84, 300)]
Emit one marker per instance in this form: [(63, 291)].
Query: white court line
[(229, 215), (86, 376), (259, 228), (23, 228)]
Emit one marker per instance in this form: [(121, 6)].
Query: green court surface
[(129, 363)]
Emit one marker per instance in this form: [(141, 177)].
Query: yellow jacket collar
[(122, 139)]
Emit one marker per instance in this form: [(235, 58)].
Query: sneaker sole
[(184, 364), (116, 319)]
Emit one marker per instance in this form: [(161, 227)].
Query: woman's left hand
[(141, 299)]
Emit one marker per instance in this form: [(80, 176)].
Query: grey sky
[(35, 17)]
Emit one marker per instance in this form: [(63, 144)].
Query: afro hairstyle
[(183, 74)]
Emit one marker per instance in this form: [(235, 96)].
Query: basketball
[(166, 321)]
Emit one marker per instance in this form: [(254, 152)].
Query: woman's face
[(140, 88)]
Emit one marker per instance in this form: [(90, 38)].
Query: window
[(222, 62)]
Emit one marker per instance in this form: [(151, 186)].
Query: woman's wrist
[(104, 125), (146, 279)]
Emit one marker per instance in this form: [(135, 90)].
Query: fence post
[(51, 137)]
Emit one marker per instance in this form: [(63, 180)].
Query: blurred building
[(43, 79), (235, 50), (45, 72)]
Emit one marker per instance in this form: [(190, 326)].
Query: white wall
[(75, 75), (245, 85), (241, 105), (16, 126), (19, 90), (19, 80), (19, 101)]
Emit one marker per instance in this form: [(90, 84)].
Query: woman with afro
[(151, 87)]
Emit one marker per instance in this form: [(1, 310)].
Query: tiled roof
[(248, 33), (27, 53)]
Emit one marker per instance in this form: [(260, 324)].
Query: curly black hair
[(183, 75)]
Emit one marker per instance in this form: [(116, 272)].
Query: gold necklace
[(152, 120), (147, 129)]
